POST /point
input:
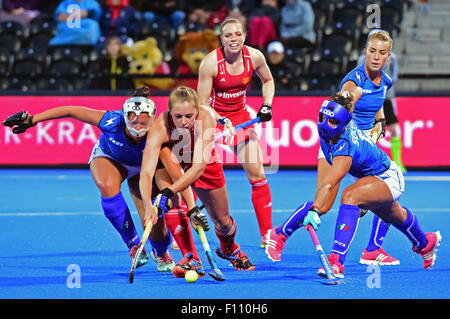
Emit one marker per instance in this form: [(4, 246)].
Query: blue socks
[(117, 212), (411, 228), (379, 230), (346, 226), (295, 221), (159, 248)]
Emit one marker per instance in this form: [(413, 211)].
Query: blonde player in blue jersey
[(117, 156), (378, 186), (369, 85)]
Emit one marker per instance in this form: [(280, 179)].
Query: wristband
[(167, 192), (315, 209)]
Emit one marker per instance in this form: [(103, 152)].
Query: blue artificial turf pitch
[(53, 227)]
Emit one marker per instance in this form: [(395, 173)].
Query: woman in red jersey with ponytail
[(223, 79)]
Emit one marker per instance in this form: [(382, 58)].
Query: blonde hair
[(231, 20), (183, 94), (382, 36)]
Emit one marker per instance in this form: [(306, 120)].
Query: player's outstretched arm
[(21, 121)]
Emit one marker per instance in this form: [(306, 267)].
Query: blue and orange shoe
[(238, 259), (188, 262)]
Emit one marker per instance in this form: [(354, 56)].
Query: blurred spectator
[(21, 11), (170, 12), (77, 23), (113, 62), (297, 24), (283, 71), (240, 9), (120, 18), (244, 6), (206, 12), (263, 24)]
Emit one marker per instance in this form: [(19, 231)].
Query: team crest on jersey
[(245, 80)]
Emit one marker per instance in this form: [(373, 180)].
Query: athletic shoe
[(143, 258), (378, 257), (429, 252), (188, 263), (338, 268), (238, 259), (275, 244), (164, 263)]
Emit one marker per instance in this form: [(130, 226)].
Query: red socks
[(227, 244), (180, 227), (262, 203)]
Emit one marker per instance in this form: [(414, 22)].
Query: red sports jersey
[(212, 177), (183, 147), (229, 91)]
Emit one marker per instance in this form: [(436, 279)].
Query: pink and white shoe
[(429, 251), (338, 268), (378, 257), (274, 244)]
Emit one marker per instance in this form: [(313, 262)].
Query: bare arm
[(80, 113), (155, 138), (355, 90), (264, 73), (341, 165)]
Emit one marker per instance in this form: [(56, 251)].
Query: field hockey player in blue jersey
[(368, 84), (378, 187), (116, 157)]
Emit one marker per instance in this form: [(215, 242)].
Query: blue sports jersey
[(367, 158), (114, 143), (372, 98)]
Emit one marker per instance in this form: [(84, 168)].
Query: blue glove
[(312, 218), (162, 201)]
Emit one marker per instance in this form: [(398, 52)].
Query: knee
[(348, 197), (108, 187)]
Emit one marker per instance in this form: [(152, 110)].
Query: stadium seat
[(72, 54), (20, 84), (42, 27), (6, 61), (29, 68), (13, 28), (30, 54), (65, 67), (160, 31), (390, 19), (296, 56), (54, 84), (334, 48), (11, 42), (318, 84), (348, 17), (325, 68)]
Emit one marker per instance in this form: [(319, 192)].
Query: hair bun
[(142, 91)]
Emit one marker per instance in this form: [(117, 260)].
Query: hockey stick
[(144, 238), (237, 128), (323, 258), (217, 275)]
